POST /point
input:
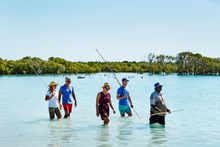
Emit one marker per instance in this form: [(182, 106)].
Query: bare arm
[(110, 103), (74, 97), (155, 107), (97, 104), (130, 101), (48, 97), (59, 97), (168, 110)]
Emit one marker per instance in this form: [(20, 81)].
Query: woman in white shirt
[(52, 98)]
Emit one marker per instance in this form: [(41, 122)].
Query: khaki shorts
[(54, 111)]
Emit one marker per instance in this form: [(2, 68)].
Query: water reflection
[(125, 131), (54, 136), (61, 133), (158, 136), (103, 136)]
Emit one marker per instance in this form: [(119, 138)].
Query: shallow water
[(24, 113)]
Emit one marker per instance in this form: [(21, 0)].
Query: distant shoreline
[(90, 74), (185, 63)]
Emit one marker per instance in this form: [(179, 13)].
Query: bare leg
[(66, 114), (129, 114), (106, 121), (58, 113), (52, 116)]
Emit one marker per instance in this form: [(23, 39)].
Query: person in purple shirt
[(103, 101), (67, 93), (124, 97)]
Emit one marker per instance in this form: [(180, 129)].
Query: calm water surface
[(24, 113)]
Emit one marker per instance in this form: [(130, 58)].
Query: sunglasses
[(107, 88)]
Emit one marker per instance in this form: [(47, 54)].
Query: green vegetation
[(185, 63)]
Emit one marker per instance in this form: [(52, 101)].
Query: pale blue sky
[(121, 29)]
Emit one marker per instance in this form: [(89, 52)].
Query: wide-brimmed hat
[(53, 84), (107, 86)]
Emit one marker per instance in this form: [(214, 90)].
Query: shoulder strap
[(100, 93)]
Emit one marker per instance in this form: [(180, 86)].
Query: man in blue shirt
[(67, 93), (124, 99)]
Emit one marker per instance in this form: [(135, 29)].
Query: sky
[(120, 29)]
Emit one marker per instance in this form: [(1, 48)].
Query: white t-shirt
[(53, 102)]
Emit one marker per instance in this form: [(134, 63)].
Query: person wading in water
[(52, 98), (158, 107), (67, 93), (124, 97), (103, 101)]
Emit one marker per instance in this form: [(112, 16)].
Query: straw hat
[(53, 84), (107, 86)]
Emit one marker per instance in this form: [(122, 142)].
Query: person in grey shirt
[(158, 107)]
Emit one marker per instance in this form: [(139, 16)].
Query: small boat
[(81, 77)]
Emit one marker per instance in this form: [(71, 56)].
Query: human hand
[(97, 113), (125, 96), (168, 110), (114, 111), (52, 94), (60, 106)]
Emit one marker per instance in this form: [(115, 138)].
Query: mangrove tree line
[(185, 63)]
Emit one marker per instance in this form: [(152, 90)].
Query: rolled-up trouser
[(157, 119)]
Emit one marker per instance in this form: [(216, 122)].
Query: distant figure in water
[(103, 101), (158, 106), (123, 96), (53, 104), (67, 93)]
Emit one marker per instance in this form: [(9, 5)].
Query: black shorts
[(157, 119)]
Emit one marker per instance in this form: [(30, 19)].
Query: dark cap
[(156, 85), (67, 79), (125, 79)]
